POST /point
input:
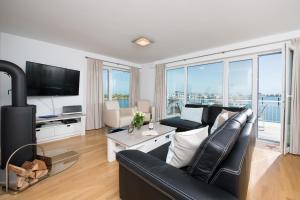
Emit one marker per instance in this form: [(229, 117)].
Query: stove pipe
[(19, 98), (17, 120)]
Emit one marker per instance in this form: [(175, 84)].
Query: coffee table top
[(131, 139)]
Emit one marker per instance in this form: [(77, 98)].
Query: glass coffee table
[(123, 140)]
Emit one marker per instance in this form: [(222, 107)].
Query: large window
[(120, 87), (240, 83), (116, 86), (175, 90), (205, 84)]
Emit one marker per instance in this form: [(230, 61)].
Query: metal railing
[(271, 110), (268, 110)]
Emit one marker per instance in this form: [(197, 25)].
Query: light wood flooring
[(92, 178)]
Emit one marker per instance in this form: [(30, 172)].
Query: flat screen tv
[(46, 80)]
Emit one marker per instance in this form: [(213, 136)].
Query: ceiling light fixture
[(142, 41)]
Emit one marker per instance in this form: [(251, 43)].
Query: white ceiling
[(177, 26)]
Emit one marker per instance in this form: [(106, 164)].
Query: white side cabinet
[(53, 129)]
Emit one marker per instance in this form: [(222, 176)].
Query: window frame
[(234, 55)]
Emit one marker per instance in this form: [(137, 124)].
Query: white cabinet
[(53, 129)]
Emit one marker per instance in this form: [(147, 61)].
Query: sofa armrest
[(112, 118), (166, 179)]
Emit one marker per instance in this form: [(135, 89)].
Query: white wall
[(19, 50), (147, 81)]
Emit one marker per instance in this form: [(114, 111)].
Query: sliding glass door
[(259, 81), (270, 88), (240, 83)]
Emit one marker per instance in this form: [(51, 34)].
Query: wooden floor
[(272, 176)]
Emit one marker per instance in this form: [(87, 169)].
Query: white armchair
[(116, 117), (145, 107)]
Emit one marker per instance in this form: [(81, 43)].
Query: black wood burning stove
[(17, 120)]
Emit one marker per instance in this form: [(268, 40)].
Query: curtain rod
[(111, 62), (222, 52)]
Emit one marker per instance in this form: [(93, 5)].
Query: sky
[(209, 78), (120, 82)]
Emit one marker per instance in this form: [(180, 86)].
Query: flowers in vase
[(138, 119)]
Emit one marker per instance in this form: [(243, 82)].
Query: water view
[(269, 106)]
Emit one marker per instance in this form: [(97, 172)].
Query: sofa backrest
[(211, 112), (216, 147), (233, 173)]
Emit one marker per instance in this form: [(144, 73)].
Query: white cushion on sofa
[(192, 114), (184, 146), (221, 119)]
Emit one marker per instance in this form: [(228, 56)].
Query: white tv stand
[(52, 129)]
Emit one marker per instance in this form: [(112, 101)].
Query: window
[(205, 84), (175, 80), (116, 86), (105, 84), (240, 83), (120, 87)]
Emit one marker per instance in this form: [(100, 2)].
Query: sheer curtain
[(295, 107), (134, 86), (160, 91), (94, 96)]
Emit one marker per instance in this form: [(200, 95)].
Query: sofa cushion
[(180, 124), (184, 146), (204, 113), (221, 119), (215, 148), (125, 121), (192, 114), (214, 111)]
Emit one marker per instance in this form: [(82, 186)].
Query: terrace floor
[(269, 131)]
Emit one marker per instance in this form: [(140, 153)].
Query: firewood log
[(41, 164), (25, 185), (33, 181), (31, 174), (41, 173), (20, 181), (18, 170), (30, 166)]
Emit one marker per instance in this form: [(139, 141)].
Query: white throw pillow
[(192, 114), (184, 146), (221, 119)]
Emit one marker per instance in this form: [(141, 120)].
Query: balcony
[(269, 126)]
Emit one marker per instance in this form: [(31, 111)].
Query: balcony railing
[(268, 110)]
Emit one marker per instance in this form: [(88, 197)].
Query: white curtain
[(94, 96), (134, 86), (160, 91), (295, 107)]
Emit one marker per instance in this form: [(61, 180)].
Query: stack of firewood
[(29, 173)]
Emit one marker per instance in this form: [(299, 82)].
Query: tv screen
[(46, 80)]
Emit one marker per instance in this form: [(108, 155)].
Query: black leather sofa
[(209, 116), (220, 170)]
